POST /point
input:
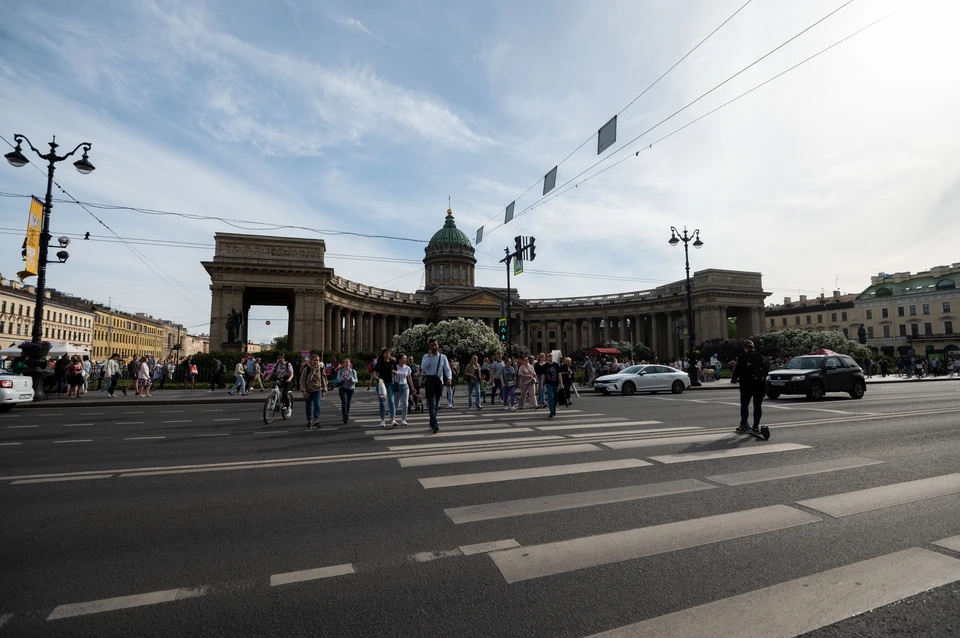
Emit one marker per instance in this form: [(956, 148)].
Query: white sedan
[(645, 378), (14, 388)]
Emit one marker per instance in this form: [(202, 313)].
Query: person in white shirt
[(404, 381), (112, 372), (143, 379), (436, 373)]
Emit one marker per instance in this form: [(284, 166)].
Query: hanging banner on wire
[(32, 245), (479, 235), (517, 266), (607, 135), (550, 181), (509, 214)]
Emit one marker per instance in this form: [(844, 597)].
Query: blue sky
[(366, 116)]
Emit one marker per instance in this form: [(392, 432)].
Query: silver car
[(14, 389), (646, 378)]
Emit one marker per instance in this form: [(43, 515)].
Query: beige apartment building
[(66, 318), (838, 312), (126, 334), (916, 313)]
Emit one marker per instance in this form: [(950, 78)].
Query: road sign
[(517, 266), (502, 328)]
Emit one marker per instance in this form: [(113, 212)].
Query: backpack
[(370, 367)]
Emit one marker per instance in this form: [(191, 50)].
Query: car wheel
[(629, 388), (677, 387), (858, 389), (773, 394), (815, 392)]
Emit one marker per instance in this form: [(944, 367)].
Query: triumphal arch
[(332, 313)]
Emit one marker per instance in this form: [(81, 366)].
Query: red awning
[(600, 352)]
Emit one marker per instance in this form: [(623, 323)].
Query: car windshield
[(631, 370), (803, 363)]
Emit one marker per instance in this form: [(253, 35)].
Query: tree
[(458, 338), (281, 342), (635, 351), (732, 328)]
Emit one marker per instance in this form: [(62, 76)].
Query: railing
[(377, 293)]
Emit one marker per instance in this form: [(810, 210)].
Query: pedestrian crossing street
[(536, 448)]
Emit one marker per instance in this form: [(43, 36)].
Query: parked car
[(816, 374), (643, 378), (14, 389)]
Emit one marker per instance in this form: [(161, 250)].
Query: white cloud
[(353, 23)]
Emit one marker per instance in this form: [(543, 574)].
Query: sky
[(365, 117)]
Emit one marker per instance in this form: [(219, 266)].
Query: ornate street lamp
[(36, 353), (676, 238)]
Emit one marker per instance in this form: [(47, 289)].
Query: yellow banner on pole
[(32, 244)]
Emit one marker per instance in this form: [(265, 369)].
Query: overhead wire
[(629, 104)]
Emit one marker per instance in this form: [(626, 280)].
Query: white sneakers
[(383, 423), (403, 423)]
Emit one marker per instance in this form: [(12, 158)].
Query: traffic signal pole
[(507, 260), (524, 245)]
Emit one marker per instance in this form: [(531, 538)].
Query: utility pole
[(524, 249)]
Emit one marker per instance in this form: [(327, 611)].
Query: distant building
[(906, 312), (66, 318), (127, 334), (838, 312)]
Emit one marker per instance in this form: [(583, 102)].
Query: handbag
[(396, 386)]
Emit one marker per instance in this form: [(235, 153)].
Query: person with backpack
[(216, 379), (751, 373), (346, 381)]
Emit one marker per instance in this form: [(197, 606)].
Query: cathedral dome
[(449, 234)]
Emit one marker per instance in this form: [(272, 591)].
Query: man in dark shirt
[(751, 373), (551, 380)]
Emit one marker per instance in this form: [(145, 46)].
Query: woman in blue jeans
[(313, 383), (404, 381), (471, 374), (346, 382)]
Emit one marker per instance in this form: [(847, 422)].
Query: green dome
[(449, 234)]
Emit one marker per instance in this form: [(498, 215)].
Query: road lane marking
[(20, 427), (729, 453), (530, 472), (271, 432), (791, 471), (875, 498), (130, 423), (806, 604), (65, 478), (624, 433), (671, 440), (170, 411), (413, 425), (75, 425), (205, 435), (181, 421), (602, 424), (137, 412), (214, 410), (143, 438), (949, 543), (311, 574), (456, 444), (541, 504), (11, 444), (125, 602), (75, 441), (48, 414), (591, 551), (424, 435), (467, 457), (486, 548), (92, 413), (215, 420)]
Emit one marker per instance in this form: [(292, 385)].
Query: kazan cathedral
[(335, 314)]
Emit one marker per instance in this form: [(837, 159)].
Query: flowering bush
[(458, 338)]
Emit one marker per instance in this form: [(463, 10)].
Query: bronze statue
[(234, 324)]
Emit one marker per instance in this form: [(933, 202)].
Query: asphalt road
[(644, 515)]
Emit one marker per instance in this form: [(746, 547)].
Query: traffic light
[(531, 254), (502, 324), (518, 244)]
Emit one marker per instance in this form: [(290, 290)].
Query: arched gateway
[(331, 313)]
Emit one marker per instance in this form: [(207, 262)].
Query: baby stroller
[(415, 403)]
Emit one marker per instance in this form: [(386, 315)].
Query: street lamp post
[(676, 238), (36, 361)]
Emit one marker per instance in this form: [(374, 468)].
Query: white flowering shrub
[(458, 338)]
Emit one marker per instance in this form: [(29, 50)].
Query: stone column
[(358, 330), (327, 326), (592, 332), (622, 333), (336, 326), (218, 328), (655, 336), (577, 333)]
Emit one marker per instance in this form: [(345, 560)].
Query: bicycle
[(274, 405)]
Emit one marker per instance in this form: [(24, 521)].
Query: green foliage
[(281, 342), (731, 328), (786, 343), (635, 351)]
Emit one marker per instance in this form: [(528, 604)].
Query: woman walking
[(471, 374), (143, 379), (401, 393), (346, 382), (528, 383), (313, 383), (566, 378), (240, 382), (538, 367), (508, 378), (74, 377)]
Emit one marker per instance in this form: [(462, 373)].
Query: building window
[(900, 311), (886, 332), (796, 320), (28, 311), (928, 328), (948, 327), (884, 313), (1, 327), (925, 309), (18, 328), (869, 314), (4, 310), (870, 332), (843, 316), (913, 311), (446, 273), (914, 329), (846, 333), (946, 306), (773, 323), (456, 274), (903, 330), (833, 317), (20, 310), (784, 321), (809, 319)]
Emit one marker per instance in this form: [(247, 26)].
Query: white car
[(645, 378), (14, 388)]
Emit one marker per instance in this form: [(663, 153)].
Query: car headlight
[(799, 377)]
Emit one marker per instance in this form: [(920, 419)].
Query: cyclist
[(283, 374)]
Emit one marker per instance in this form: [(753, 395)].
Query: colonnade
[(352, 330)]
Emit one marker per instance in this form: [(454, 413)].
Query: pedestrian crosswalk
[(540, 456)]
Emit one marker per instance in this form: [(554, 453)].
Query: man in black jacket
[(751, 374)]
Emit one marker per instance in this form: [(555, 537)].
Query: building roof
[(449, 234), (839, 302), (923, 283)]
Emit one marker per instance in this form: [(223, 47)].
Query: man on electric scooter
[(751, 373)]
